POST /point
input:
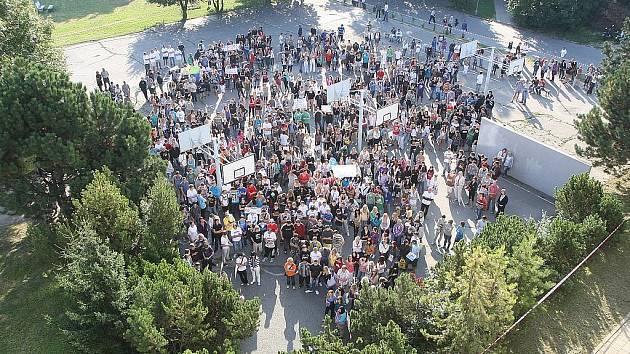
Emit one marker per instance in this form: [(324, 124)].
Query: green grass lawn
[(27, 296), (485, 9), (584, 311), (79, 21)]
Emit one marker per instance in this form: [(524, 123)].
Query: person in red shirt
[(272, 226), (300, 229), (251, 191), (304, 177)]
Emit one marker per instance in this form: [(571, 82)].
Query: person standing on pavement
[(479, 82), (439, 230), (99, 81), (303, 273), (459, 231), (448, 234), (520, 84), (254, 266), (502, 201), (427, 199), (290, 270), (126, 90), (482, 205), (489, 102), (240, 268), (105, 75), (315, 270), (460, 183), (143, 88), (432, 16), (269, 239), (386, 12)]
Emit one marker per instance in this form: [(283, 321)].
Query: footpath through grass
[(79, 21), (585, 310), (28, 296)]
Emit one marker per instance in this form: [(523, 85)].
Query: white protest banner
[(468, 49), (346, 171), (326, 108), (253, 210), (299, 103), (230, 47), (230, 71)]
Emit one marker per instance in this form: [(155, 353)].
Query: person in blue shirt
[(202, 205), (340, 31), (459, 231)]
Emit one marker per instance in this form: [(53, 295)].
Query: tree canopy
[(94, 278), (174, 307), (551, 13), (57, 135), (606, 128), (24, 33)]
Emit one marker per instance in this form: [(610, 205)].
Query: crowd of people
[(294, 210), (332, 235)]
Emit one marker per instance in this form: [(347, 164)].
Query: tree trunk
[(184, 5)]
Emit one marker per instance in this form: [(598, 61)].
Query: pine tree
[(606, 128), (391, 341), (110, 214), (57, 135), (94, 278), (579, 197), (404, 304), (174, 308), (483, 305), (528, 271), (163, 219)]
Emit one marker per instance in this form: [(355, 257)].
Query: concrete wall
[(535, 164)]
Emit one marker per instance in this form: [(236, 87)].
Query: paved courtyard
[(284, 312)]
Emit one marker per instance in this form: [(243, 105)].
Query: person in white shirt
[(237, 234), (481, 223), (316, 255), (284, 139), (191, 194), (427, 199), (269, 240), (344, 277), (225, 247), (193, 234), (171, 55), (147, 63), (479, 81), (240, 268)]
